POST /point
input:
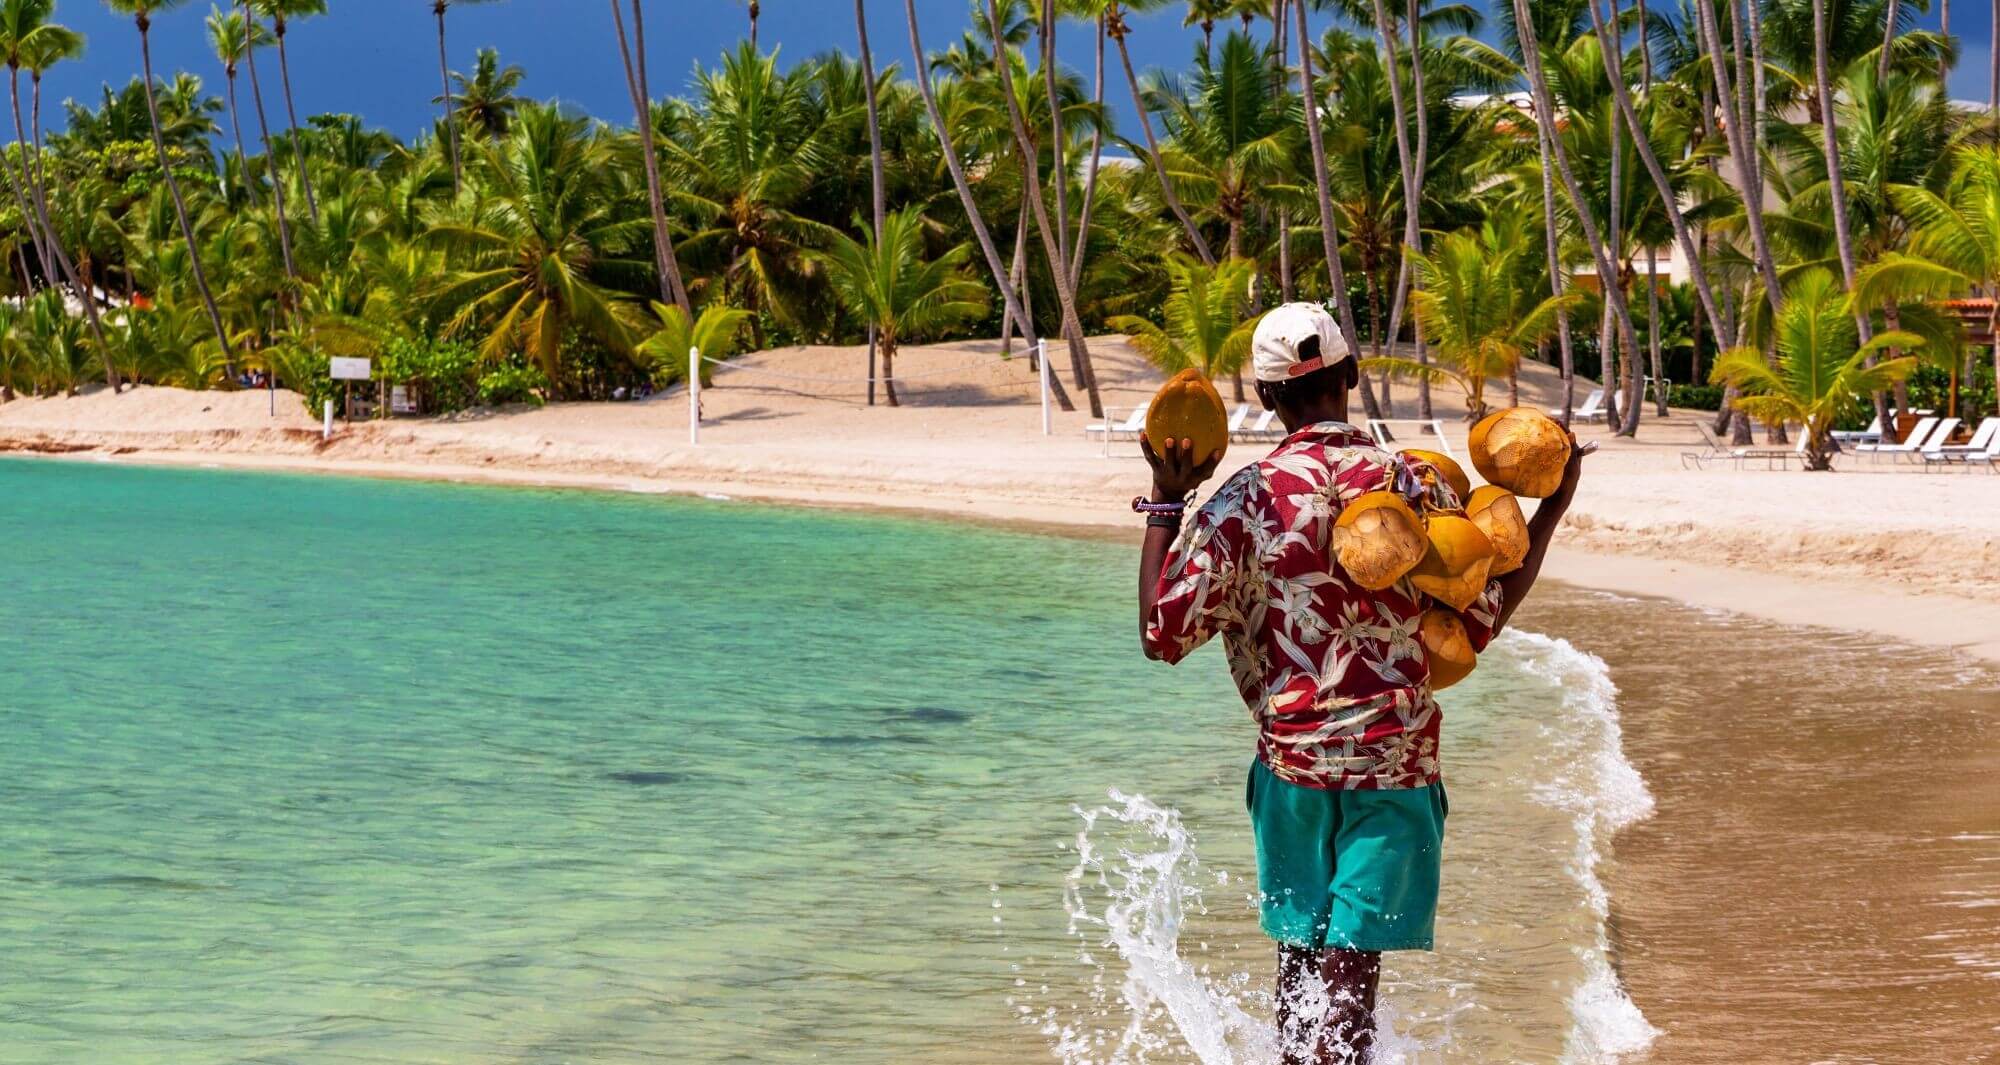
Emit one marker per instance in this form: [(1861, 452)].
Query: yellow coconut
[(1447, 647), (1188, 407), (1521, 450), (1448, 469), (1377, 539), (1498, 514), (1455, 568)]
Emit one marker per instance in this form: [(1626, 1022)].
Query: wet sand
[(1820, 881)]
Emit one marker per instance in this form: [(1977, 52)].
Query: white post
[(1048, 426), (694, 395), (326, 424)]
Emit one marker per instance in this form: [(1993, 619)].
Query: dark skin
[(1342, 1028)]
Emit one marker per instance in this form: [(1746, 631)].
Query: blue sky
[(378, 58)]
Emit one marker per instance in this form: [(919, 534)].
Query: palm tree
[(22, 22), (1475, 308), (438, 8), (1205, 327), (231, 37), (1079, 351), (486, 101), (1823, 364), (745, 167), (1118, 29), (887, 283), (1205, 13), (535, 249), (142, 18), (1956, 247), (252, 26), (996, 269), (15, 365), (280, 11), (715, 334), (1329, 226), (673, 289), (57, 345), (29, 39), (755, 9)]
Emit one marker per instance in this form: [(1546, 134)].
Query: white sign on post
[(351, 369)]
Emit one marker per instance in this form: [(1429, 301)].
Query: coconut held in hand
[(1521, 450), (1454, 570), (1446, 646), (1187, 407), (1498, 514), (1377, 539)]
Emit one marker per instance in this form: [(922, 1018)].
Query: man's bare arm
[(1175, 474), (1541, 531)]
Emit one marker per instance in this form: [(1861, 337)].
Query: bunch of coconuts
[(1450, 555)]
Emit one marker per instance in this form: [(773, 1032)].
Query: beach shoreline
[(1897, 553)]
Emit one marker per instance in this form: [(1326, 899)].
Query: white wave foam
[(1602, 792)]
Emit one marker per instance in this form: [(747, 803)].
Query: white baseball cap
[(1274, 349)]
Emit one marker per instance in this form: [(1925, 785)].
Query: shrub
[(513, 384), (1695, 397)]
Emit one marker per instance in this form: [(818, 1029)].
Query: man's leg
[(1351, 977), (1326, 1005)]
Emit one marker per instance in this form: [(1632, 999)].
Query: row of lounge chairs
[(1926, 442)]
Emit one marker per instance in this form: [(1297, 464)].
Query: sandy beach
[(1886, 549)]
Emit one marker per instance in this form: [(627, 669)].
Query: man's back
[(1333, 673)]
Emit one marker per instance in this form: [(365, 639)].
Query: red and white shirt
[(1333, 673)]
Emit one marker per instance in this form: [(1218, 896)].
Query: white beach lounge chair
[(1851, 438), (1266, 427), (1982, 444), (1718, 450), (1592, 408), (1920, 434), (1237, 417), (1127, 429)]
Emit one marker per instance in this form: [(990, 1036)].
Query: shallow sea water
[(323, 770)]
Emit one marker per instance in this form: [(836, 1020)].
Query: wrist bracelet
[(1142, 506), (1164, 520)]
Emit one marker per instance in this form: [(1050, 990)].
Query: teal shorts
[(1356, 870)]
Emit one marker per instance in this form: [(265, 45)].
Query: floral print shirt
[(1333, 674)]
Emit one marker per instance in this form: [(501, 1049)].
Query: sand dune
[(1892, 549)]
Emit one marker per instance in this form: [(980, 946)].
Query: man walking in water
[(1346, 800)]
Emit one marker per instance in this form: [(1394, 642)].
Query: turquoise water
[(324, 770)]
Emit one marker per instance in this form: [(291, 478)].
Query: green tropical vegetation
[(1471, 189)]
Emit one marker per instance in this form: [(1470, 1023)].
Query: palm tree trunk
[(1836, 182), (1412, 17), (242, 156), (1545, 116), (1669, 198), (270, 156), (1116, 27), (32, 179), (888, 342), (1749, 176), (1016, 274), (1329, 228), (673, 289), (1888, 39), (1280, 50), (1058, 140), (1079, 352), (754, 12), (1090, 180), (1410, 166), (875, 173), (956, 166), (1653, 332), (18, 187), (292, 115), (174, 190), (444, 73)]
